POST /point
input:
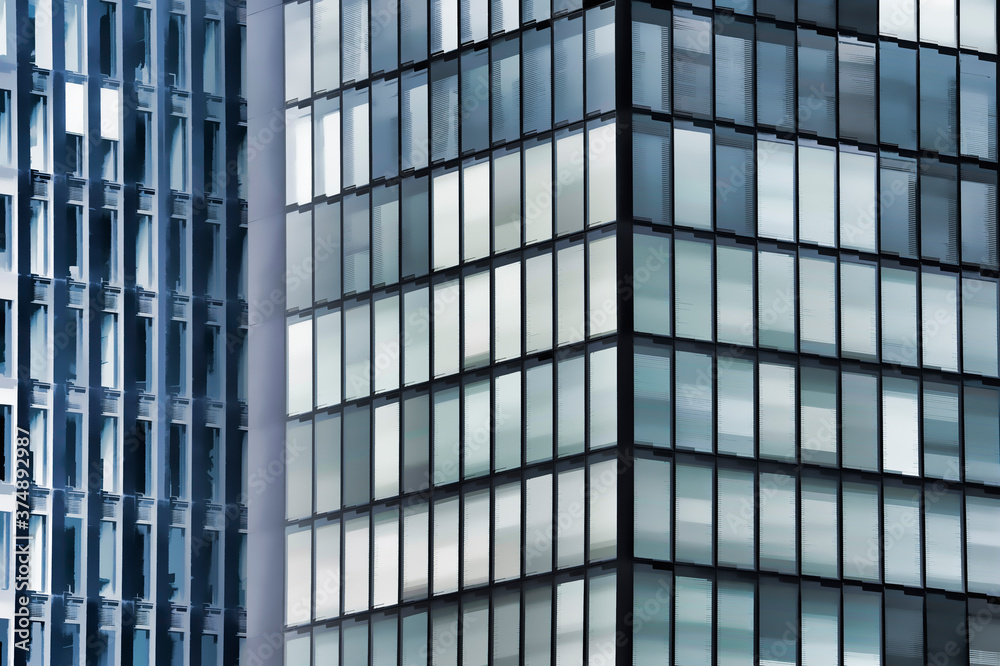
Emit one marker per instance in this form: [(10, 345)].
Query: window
[(356, 140), (692, 65), (693, 183), (817, 305), (900, 440), (651, 191), (693, 391), (899, 309), (75, 16), (569, 184), (445, 546), (298, 164), (735, 519), (40, 30), (507, 311), (38, 134), (601, 174), (818, 415), (982, 431), (817, 174), (176, 54), (857, 89), (357, 352), (415, 565), (901, 539), (300, 368), (506, 91), (693, 621), (107, 561), (819, 533), (776, 300), (108, 26), (857, 201), (652, 509), (692, 284), (860, 531), (570, 494), (567, 79), (940, 320), (570, 283), (142, 34), (693, 514), (943, 539), (859, 416), (385, 562), (507, 532), (298, 568), (898, 101), (651, 57), (357, 244), (734, 67), (212, 58)]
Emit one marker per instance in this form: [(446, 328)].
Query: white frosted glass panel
[(327, 570), (982, 551), (298, 155), (386, 561), (603, 310), (445, 220), (386, 353), (476, 538), (900, 426), (817, 196), (416, 569), (571, 518), (446, 546), (476, 211), (569, 623), (899, 316), (693, 178), (328, 359), (357, 362), (386, 454), (538, 193), (507, 532), (602, 499), (446, 348), (570, 297), (298, 583), (507, 312), (300, 366), (978, 25), (776, 190), (898, 18), (356, 562), (937, 21), (602, 173), (538, 303)]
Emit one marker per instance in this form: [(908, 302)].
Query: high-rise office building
[(624, 333), (122, 234)]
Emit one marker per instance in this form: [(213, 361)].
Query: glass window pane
[(735, 519), (693, 514), (776, 300), (571, 532), (901, 535), (693, 183), (652, 509), (819, 534), (693, 376), (356, 562), (859, 526), (734, 292), (900, 424), (652, 396), (651, 282), (693, 621), (776, 411), (507, 532), (693, 289)]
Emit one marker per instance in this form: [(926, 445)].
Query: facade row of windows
[(453, 433), (732, 619), (855, 200), (349, 140), (723, 618), (569, 621), (970, 24), (797, 79), (729, 515), (457, 542), (345, 52), (434, 222), (813, 303), (43, 27), (814, 414), (432, 331)]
